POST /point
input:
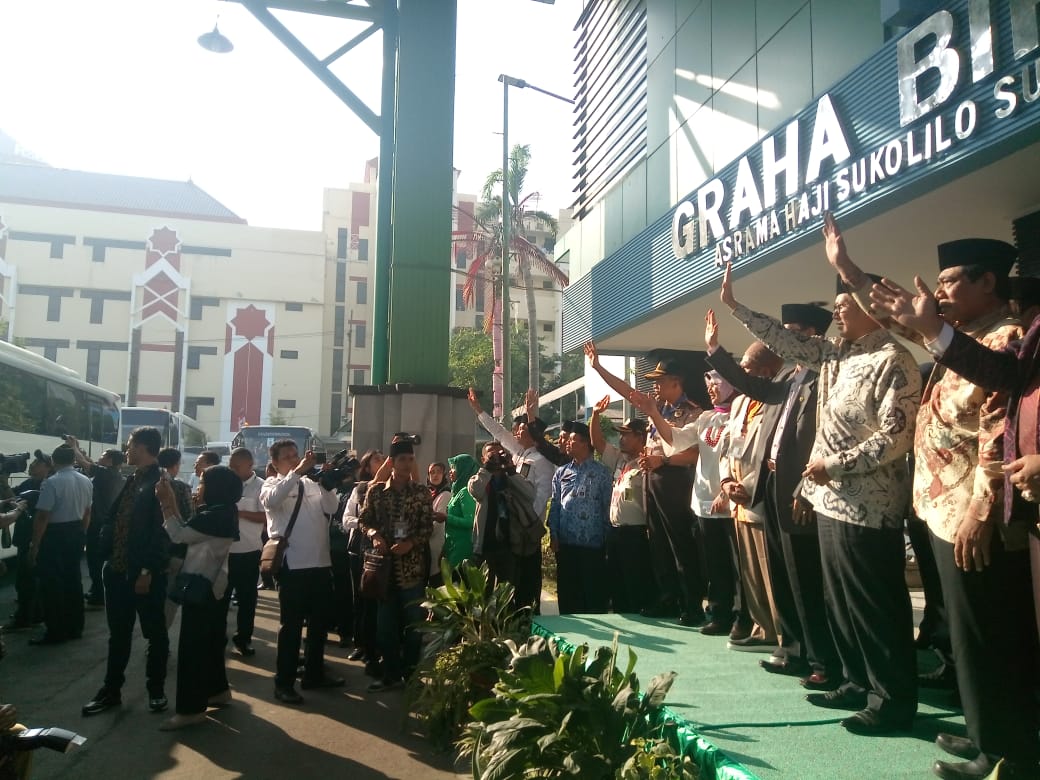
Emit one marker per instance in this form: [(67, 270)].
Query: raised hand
[(726, 293), (601, 405), (711, 331), (642, 402), (918, 312), (531, 403), (834, 242), (474, 402), (591, 354)]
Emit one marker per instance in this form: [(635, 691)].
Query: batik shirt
[(398, 515), (959, 438), (869, 394), (579, 512)]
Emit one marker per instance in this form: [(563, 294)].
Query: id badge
[(525, 470)]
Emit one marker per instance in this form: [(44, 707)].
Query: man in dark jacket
[(136, 552), (107, 481)]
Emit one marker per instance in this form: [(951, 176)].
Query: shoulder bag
[(273, 554)]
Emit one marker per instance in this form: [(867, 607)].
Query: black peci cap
[(993, 255), (808, 314)]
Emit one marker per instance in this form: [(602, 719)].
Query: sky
[(121, 86)]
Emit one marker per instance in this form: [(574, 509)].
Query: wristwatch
[(666, 460)]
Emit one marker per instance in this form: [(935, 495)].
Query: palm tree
[(484, 245)]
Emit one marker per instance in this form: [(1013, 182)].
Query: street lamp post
[(507, 82)]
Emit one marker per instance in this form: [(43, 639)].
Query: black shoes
[(323, 682), (287, 694), (385, 685), (105, 699), (838, 700), (660, 610), (777, 665), (691, 619), (158, 703), (715, 628), (46, 639), (869, 722), (942, 678), (357, 655), (244, 649), (962, 747)]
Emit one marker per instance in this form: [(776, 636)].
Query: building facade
[(720, 130), (156, 291)]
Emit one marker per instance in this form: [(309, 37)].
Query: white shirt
[(530, 463), (66, 494), (207, 555), (309, 542), (249, 532), (707, 434)]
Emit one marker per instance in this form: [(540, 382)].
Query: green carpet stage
[(745, 723)]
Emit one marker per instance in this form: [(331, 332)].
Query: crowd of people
[(775, 520)]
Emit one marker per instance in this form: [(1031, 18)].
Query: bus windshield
[(178, 431), (258, 438)]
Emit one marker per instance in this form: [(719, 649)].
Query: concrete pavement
[(341, 732)]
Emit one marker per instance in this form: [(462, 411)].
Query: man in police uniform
[(669, 487)]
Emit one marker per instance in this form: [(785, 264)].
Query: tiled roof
[(109, 192)]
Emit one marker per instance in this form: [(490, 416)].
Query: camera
[(342, 466), (498, 461), (14, 464), (407, 438)]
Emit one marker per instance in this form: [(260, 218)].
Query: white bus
[(257, 439), (178, 430), (41, 402)]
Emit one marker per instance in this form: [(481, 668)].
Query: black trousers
[(581, 579), (788, 624), (804, 577), (95, 559), (122, 608), (303, 595), (719, 553), (629, 569), (933, 623), (994, 640), (243, 572), (26, 590), (60, 581), (674, 547), (200, 655), (524, 572), (868, 609), (342, 615)]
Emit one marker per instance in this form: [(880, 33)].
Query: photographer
[(244, 557), (506, 532), (397, 520), (107, 483), (305, 580)]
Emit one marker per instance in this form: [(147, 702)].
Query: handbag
[(375, 575), (273, 553), (191, 589)]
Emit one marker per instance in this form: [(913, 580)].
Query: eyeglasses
[(712, 380)]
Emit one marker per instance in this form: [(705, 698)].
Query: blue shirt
[(579, 512), (66, 494)]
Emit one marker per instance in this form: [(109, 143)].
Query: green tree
[(471, 363), (484, 245)]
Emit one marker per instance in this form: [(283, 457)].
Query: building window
[(359, 335), (547, 327), (460, 258), (195, 355), (286, 403), (54, 307), (460, 303), (294, 307), (342, 242), (341, 282), (359, 376), (478, 322), (362, 293), (480, 297), (362, 250), (289, 354), (547, 284), (339, 317)]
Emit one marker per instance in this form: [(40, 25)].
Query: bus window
[(104, 422), (64, 412), (21, 401)]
